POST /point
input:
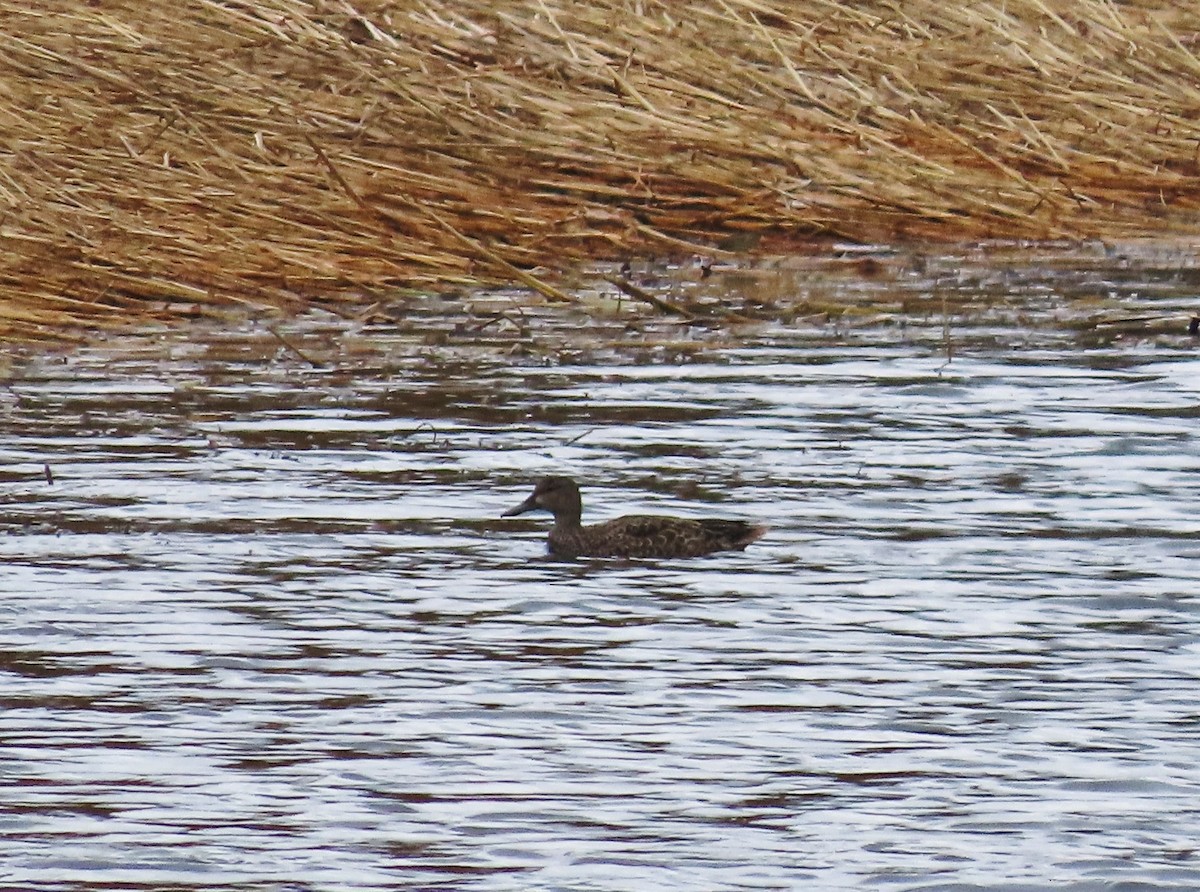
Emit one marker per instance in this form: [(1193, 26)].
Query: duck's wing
[(649, 535)]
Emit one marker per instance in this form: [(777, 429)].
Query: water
[(266, 629)]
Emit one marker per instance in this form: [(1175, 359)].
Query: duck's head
[(558, 495)]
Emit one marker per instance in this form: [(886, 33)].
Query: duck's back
[(654, 536)]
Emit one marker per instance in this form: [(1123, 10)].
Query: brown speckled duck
[(635, 535)]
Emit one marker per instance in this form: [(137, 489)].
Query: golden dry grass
[(166, 159)]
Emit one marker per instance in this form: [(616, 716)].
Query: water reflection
[(266, 627)]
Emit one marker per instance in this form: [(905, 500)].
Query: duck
[(632, 536)]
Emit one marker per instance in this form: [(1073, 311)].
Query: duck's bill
[(528, 505)]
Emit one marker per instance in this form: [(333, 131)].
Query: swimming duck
[(635, 535)]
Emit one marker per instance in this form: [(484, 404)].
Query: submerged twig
[(644, 295), (315, 363)]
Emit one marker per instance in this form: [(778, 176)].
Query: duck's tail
[(731, 534), (754, 532)]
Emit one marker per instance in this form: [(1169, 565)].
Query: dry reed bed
[(162, 159)]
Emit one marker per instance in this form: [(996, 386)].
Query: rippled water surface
[(265, 627)]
